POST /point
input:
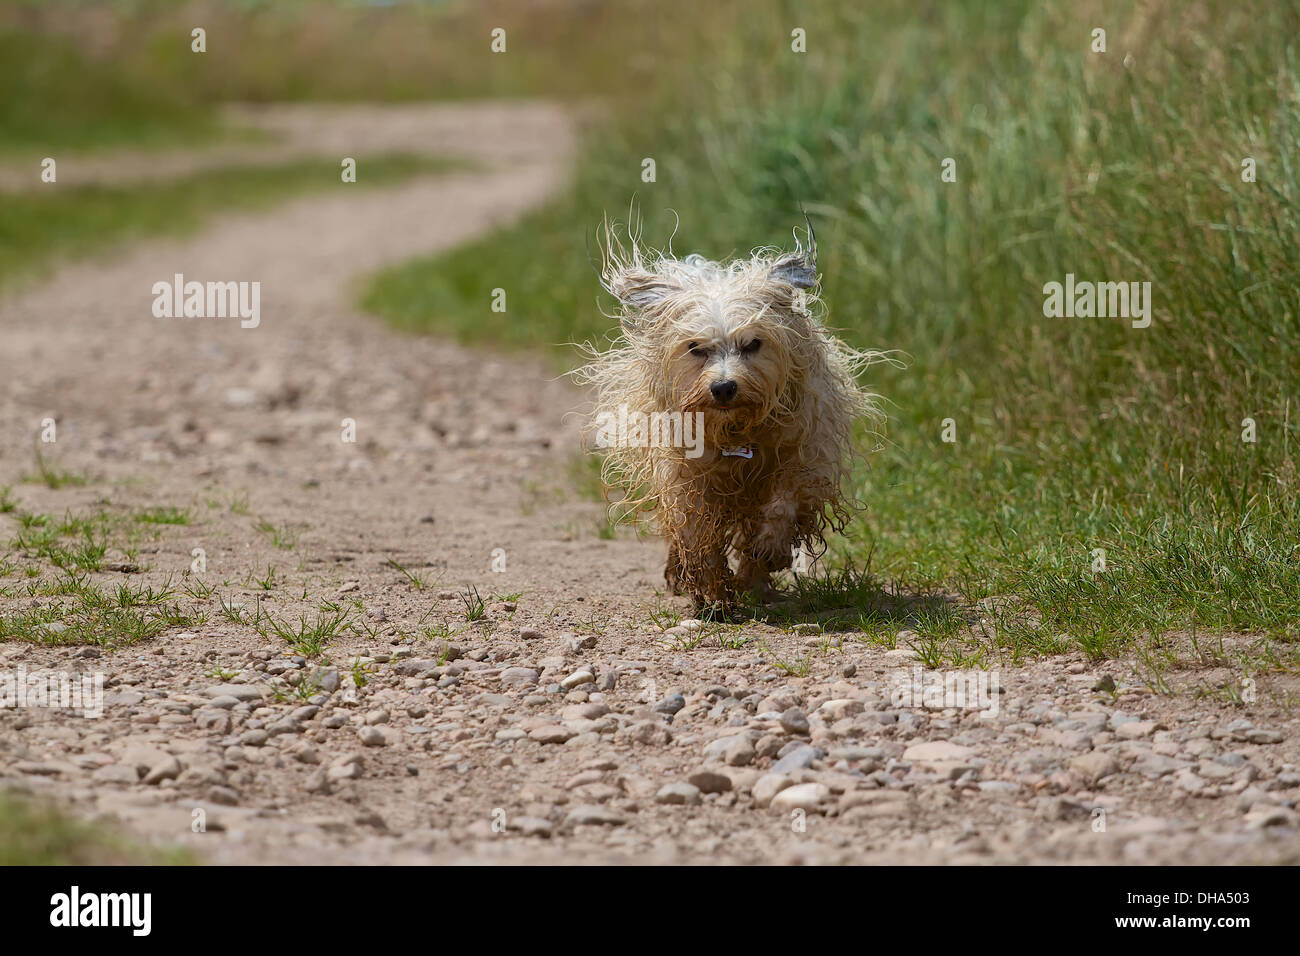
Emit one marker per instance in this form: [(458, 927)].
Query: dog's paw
[(766, 556), (755, 583)]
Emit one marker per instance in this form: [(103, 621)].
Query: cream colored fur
[(688, 326)]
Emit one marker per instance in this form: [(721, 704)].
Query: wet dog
[(739, 351)]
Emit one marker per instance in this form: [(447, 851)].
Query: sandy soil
[(548, 730)]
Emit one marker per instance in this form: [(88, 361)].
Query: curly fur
[(688, 325)]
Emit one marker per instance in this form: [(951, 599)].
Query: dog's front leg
[(673, 569), (697, 560), (770, 545)]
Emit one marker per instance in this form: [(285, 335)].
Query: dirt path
[(476, 753), (499, 132)]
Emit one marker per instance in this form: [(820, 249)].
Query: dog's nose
[(723, 391)]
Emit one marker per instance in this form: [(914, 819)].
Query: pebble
[(223, 796), (803, 796), (998, 786), (838, 709), (768, 786), (652, 732), (670, 704), (1213, 770), (326, 679), (794, 721), (1261, 817), (1189, 781), (519, 675), (38, 769), (1135, 729), (710, 781), (679, 794), (735, 751), (1094, 766), (552, 734), (1264, 736), (936, 750), (240, 692), (593, 816), (167, 769), (800, 758), (531, 826)]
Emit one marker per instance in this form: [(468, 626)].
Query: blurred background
[(1123, 165)]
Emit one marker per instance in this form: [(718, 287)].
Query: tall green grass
[(122, 72), (58, 97), (1073, 435)]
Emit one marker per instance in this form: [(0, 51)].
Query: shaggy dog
[(739, 351)]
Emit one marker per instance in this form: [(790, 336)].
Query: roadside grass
[(42, 225), (310, 638), (50, 593), (32, 833), (1099, 492), (85, 613), (50, 476), (474, 606), (283, 536), (415, 580), (163, 515)]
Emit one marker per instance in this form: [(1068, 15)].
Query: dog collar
[(743, 452)]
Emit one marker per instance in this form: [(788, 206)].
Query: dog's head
[(734, 341)]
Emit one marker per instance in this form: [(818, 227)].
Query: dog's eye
[(750, 347), (697, 350)]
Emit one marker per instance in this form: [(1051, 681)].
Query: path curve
[(487, 132)]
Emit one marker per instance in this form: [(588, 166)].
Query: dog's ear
[(796, 270), (637, 287), (799, 268)]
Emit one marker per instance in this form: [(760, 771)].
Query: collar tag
[(744, 452)]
